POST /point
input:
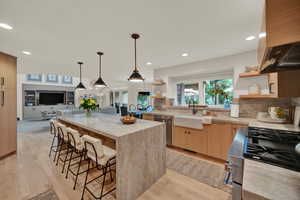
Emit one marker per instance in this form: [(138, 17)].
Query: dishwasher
[(168, 120)]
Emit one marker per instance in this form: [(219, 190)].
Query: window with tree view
[(188, 93), (218, 92)]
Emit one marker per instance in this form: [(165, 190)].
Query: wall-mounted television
[(48, 98)]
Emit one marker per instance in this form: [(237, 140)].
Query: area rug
[(48, 195), (202, 170)]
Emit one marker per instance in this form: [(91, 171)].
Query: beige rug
[(202, 170), (48, 195)]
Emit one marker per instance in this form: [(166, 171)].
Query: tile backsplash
[(250, 107)]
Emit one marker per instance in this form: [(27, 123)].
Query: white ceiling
[(61, 32)]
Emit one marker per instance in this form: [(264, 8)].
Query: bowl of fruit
[(128, 119)]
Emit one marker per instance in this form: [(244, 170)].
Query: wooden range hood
[(279, 50)]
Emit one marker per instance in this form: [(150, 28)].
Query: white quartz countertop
[(268, 182), (108, 125), (287, 127), (212, 119)]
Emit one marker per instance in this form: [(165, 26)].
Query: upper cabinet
[(281, 25), (282, 22)]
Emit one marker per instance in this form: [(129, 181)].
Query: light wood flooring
[(31, 172)]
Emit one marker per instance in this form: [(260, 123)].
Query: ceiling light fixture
[(6, 26), (26, 53), (262, 35), (135, 76), (80, 86), (149, 63), (100, 83), (251, 37), (184, 54)]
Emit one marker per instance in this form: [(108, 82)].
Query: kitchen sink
[(192, 121)]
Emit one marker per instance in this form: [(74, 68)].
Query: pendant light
[(135, 76), (100, 83), (80, 86)]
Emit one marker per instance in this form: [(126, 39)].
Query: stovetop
[(276, 147)]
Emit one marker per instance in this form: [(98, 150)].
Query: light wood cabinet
[(148, 116), (219, 140), (190, 139), (179, 137), (197, 140), (213, 140), (281, 23), (8, 112)]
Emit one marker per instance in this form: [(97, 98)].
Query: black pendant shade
[(135, 76), (100, 82), (80, 86)]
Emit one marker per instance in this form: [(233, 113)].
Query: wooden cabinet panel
[(12, 125), (213, 140), (179, 138), (148, 117), (8, 112), (283, 22), (8, 70), (219, 140), (262, 43), (4, 123), (197, 140)]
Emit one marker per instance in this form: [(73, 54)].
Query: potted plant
[(88, 104)]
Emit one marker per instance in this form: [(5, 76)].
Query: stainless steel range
[(275, 147)]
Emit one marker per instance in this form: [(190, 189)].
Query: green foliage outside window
[(218, 92)]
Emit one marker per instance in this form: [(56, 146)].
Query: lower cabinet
[(190, 139), (219, 140), (213, 140)]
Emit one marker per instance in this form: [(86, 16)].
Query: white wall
[(241, 85), (22, 79), (135, 88), (219, 67)]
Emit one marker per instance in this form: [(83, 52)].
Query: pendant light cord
[(135, 54), (99, 65), (80, 71)]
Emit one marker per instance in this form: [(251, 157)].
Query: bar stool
[(104, 158), (53, 131), (76, 147), (63, 145)]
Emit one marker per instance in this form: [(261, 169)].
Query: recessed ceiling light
[(6, 26), (26, 53), (185, 54), (262, 35), (250, 38), (149, 63)]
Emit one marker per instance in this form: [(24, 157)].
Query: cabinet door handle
[(2, 81), (2, 98)]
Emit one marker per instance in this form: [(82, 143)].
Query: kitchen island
[(141, 149)]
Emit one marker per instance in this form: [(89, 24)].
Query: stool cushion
[(63, 128), (78, 140), (104, 153)]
